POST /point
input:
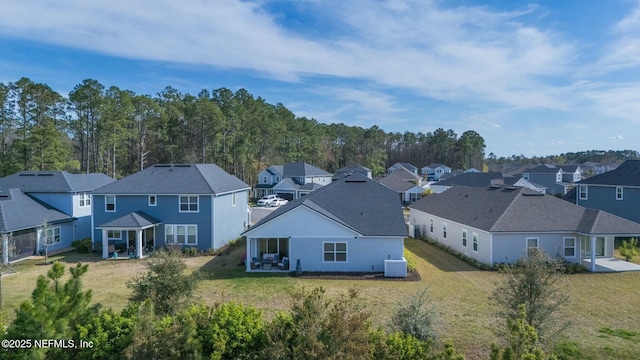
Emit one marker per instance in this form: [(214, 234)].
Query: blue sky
[(533, 78)]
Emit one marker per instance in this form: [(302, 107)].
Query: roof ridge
[(199, 171), (66, 180)]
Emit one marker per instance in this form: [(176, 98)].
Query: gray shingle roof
[(510, 209), (475, 179), (137, 219), (543, 169), (396, 183), (19, 211), (54, 181), (176, 179), (302, 169), (405, 174), (356, 202), (627, 174)]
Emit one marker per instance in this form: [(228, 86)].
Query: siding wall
[(229, 220), (69, 204), (511, 247), (604, 198)]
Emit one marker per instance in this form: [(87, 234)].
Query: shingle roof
[(405, 174), (396, 183), (543, 169), (435, 165), (510, 209), (19, 211), (476, 179), (356, 202), (301, 169), (137, 219), (176, 179), (54, 181), (627, 174)]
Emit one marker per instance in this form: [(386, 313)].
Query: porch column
[(247, 261), (593, 254), (105, 244), (5, 249), (139, 244)]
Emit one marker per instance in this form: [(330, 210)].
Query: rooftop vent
[(162, 165), (182, 165), (27, 175), (533, 194), (355, 179), (47, 174)]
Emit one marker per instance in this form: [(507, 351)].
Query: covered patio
[(610, 265), (268, 254), (136, 230)]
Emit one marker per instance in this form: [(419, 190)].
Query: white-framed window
[(464, 238), (52, 235), (431, 225), (153, 200), (525, 176), (444, 230), (474, 237), (559, 176), (233, 199), (114, 235), (619, 192), (334, 252), (569, 244), (181, 234), (109, 203), (583, 189), (532, 244), (189, 203), (85, 199)]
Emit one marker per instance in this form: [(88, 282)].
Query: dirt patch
[(412, 276)]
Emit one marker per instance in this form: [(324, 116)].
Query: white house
[(434, 171)]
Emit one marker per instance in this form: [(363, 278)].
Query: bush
[(415, 317), (411, 262), (629, 249), (83, 246)]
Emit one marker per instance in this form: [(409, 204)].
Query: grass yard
[(606, 324)]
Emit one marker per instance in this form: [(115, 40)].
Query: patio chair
[(255, 263), (284, 265)]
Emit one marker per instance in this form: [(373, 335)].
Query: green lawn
[(603, 309)]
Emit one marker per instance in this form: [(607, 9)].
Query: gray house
[(352, 169), (557, 179), (189, 205), (501, 224), (406, 166), (353, 224), (616, 191), (21, 226), (408, 191), (291, 180)]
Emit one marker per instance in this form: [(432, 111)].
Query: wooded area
[(119, 132)]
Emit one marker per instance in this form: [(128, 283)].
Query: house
[(453, 173), (406, 166), (65, 192), (434, 171), (22, 221), (186, 205), (475, 179), (616, 191), (501, 224), (351, 225), (352, 169), (291, 180), (408, 191), (557, 179)]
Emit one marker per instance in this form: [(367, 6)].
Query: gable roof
[(476, 179), (54, 181), (510, 209), (407, 166), (396, 183), (405, 175), (627, 174), (176, 179), (356, 202), (543, 169), (302, 169), (19, 211)]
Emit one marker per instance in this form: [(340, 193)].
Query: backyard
[(603, 309)]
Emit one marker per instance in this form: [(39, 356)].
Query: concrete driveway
[(259, 212)]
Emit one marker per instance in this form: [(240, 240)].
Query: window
[(264, 180), (181, 234), (569, 247), (52, 235), (532, 245), (444, 230), (85, 200), (583, 192), (114, 235), (189, 203), (619, 192), (475, 242), (152, 200), (559, 176), (525, 176), (110, 203), (431, 225), (334, 251), (464, 238)]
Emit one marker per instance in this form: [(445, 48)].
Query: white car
[(267, 200), (278, 202)]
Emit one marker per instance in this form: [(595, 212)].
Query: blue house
[(616, 191), (22, 221), (291, 180), (557, 179), (60, 190), (189, 205)]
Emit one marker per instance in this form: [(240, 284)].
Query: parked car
[(267, 200), (278, 202)]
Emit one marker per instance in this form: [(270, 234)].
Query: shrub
[(629, 249), (415, 317), (82, 246), (411, 262)]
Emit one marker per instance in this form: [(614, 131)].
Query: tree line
[(119, 132)]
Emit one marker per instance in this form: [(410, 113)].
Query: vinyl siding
[(604, 198), (229, 221)]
